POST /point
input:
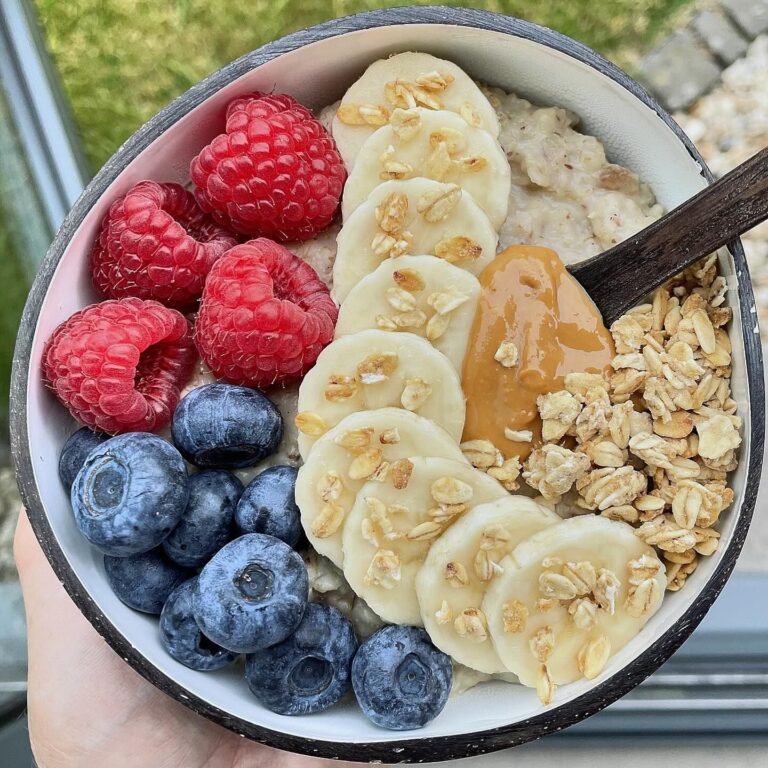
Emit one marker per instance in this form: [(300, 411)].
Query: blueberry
[(268, 505), (251, 594), (309, 671), (206, 525), (75, 451), (130, 493), (144, 581), (181, 636), (400, 679), (221, 425)]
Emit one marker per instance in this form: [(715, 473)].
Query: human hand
[(89, 709)]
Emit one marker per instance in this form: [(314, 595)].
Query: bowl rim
[(415, 749)]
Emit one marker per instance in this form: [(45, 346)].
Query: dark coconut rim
[(414, 749)]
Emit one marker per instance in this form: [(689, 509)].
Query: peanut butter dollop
[(529, 299)]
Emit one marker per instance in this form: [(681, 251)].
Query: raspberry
[(156, 243), (263, 105), (119, 366), (275, 172), (264, 317)]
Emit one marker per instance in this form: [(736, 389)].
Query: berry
[(206, 525), (130, 494), (265, 104), (119, 366), (400, 679), (156, 243), (308, 671), (275, 171), (251, 594), (220, 425), (181, 636), (144, 581), (265, 316), (268, 505), (75, 451)]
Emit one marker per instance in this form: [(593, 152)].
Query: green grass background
[(120, 61)]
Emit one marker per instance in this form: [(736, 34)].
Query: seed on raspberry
[(119, 366), (264, 317), (275, 172), (157, 243)]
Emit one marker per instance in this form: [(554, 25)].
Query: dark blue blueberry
[(251, 594), (221, 425), (268, 505), (181, 636), (75, 451), (309, 671), (130, 493), (144, 581), (400, 679), (206, 525)]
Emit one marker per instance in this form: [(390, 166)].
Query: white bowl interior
[(318, 74)]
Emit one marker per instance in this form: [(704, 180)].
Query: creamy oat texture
[(328, 585), (565, 194)]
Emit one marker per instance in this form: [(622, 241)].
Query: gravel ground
[(729, 125)]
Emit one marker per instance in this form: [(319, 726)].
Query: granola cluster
[(652, 443)]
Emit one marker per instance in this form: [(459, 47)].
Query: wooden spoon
[(621, 277)]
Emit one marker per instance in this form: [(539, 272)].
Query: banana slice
[(389, 224), (569, 598), (377, 369), (407, 80), (422, 295), (364, 445), (436, 145), (389, 530), (474, 545)]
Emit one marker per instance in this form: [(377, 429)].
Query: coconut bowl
[(316, 66)]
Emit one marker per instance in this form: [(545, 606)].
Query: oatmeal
[(636, 425), (467, 474), (535, 534), (565, 194)]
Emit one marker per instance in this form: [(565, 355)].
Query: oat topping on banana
[(402, 81)]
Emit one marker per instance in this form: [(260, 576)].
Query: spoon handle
[(622, 276)]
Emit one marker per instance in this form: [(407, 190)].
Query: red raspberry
[(156, 243), (263, 105), (275, 172), (119, 366), (264, 317)]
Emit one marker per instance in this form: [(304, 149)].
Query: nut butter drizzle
[(529, 304)]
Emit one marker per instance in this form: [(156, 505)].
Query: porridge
[(475, 471)]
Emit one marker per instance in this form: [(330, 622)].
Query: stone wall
[(688, 63)]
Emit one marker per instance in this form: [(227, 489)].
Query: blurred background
[(77, 77)]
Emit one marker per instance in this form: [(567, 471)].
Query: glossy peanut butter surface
[(527, 298)]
